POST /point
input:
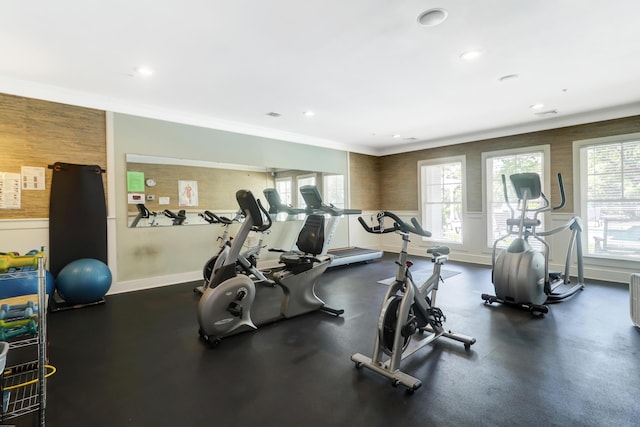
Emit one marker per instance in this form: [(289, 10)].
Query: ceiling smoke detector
[(432, 17)]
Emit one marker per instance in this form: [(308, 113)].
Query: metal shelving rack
[(31, 395)]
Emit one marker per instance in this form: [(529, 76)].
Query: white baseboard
[(154, 282)]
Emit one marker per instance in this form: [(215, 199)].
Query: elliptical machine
[(521, 275), (225, 307), (408, 309)]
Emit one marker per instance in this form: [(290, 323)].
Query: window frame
[(286, 200), (462, 159), (580, 192), (545, 149), (299, 200), (326, 187)]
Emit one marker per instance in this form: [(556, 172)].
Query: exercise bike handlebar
[(398, 225), (212, 218), (265, 225)]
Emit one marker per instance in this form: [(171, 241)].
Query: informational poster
[(187, 193), (32, 178), (10, 190)]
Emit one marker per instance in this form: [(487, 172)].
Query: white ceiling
[(366, 67)]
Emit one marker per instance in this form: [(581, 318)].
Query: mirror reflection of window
[(283, 186), (333, 186), (304, 180)]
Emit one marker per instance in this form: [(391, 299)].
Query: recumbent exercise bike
[(225, 306)]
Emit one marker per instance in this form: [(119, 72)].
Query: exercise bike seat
[(439, 250), (310, 242)]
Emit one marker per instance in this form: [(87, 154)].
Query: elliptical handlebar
[(547, 203), (398, 225), (563, 197)]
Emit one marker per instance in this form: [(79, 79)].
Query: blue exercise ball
[(25, 285), (83, 281)]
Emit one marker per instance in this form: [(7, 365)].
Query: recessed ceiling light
[(309, 113), (536, 106), (396, 136), (432, 17), (144, 71), (470, 55), (509, 77), (273, 114)]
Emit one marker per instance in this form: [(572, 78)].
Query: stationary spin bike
[(521, 275), (225, 306), (408, 310)]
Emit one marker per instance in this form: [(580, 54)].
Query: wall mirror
[(164, 191)]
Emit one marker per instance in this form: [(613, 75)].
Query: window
[(441, 197), (609, 196), (508, 162), (333, 190), (283, 187), (304, 180)]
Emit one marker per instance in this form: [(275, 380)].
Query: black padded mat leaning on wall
[(77, 215)]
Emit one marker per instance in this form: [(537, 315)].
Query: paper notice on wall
[(9, 190), (135, 182), (32, 178)]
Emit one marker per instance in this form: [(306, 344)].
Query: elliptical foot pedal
[(488, 299), (555, 275)]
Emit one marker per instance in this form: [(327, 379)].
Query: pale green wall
[(145, 253)]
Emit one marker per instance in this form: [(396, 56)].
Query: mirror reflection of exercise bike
[(225, 307), (144, 213), (247, 262), (176, 218), (521, 275), (408, 310)]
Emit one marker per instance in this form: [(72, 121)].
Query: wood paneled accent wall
[(398, 173), (39, 133), (364, 175)]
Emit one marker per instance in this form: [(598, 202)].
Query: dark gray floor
[(137, 360)]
